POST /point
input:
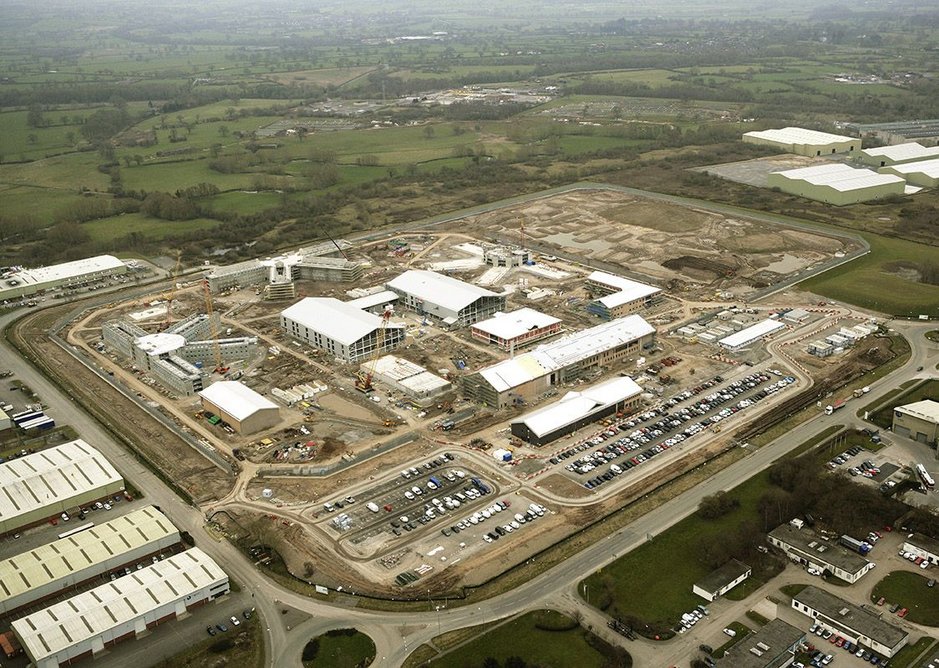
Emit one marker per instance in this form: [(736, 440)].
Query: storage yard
[(378, 442)]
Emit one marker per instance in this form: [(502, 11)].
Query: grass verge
[(909, 655), (909, 590), (339, 648)]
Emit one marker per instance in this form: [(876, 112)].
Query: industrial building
[(25, 282), (375, 302), (720, 581), (277, 274), (774, 645), (923, 546), (87, 624), (243, 409), (517, 328), (615, 296), (5, 421), (577, 409), (341, 329), (862, 627), (45, 571), (803, 546), (803, 142), (752, 334), (52, 481), (836, 183), (887, 156), (178, 356), (451, 301), (415, 382), (924, 173), (918, 421), (504, 256), (924, 130), (527, 376)]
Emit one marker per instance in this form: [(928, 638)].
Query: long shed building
[(87, 624), (242, 408), (803, 142), (44, 484), (67, 562), (447, 299), (897, 154), (25, 282), (923, 173), (340, 328), (836, 183)]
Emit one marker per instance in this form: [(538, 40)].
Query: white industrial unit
[(88, 623), (447, 299), (924, 173), (48, 569), (752, 334), (885, 156), (340, 328), (242, 408), (414, 381), (516, 328), (52, 481), (836, 183), (19, 284), (803, 142)]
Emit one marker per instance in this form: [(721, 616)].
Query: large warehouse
[(447, 299), (836, 183), (617, 296), (886, 156), (576, 410), (88, 623), (527, 376), (50, 482), (68, 562), (245, 411), (803, 142), (918, 421), (517, 328), (340, 328), (924, 173), (25, 282)]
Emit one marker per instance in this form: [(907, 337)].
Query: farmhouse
[(918, 421), (836, 183), (444, 298), (803, 142), (242, 408)]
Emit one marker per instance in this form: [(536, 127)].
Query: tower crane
[(213, 330), (363, 382), (171, 293)]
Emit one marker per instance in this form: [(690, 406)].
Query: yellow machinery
[(363, 381), (171, 293), (219, 368)]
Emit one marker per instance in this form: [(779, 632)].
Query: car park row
[(820, 658), (234, 621)]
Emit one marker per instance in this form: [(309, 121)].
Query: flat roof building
[(341, 329), (447, 299), (52, 481), (803, 142), (616, 296), (245, 411), (923, 546), (67, 562), (885, 156), (576, 410), (773, 646), (751, 334), (529, 375), (414, 381), (25, 282), (517, 328), (804, 547), (924, 173), (88, 623), (721, 580), (918, 421), (862, 627), (836, 183)]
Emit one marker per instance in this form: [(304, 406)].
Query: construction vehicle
[(363, 381), (220, 368)]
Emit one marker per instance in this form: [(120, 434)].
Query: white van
[(371, 505)]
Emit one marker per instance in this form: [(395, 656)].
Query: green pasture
[(40, 203), (244, 202), (65, 172), (115, 227), (171, 176)]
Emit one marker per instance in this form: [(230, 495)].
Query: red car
[(833, 639), (840, 641), (902, 612), (880, 601)]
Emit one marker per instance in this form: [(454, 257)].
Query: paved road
[(397, 634)]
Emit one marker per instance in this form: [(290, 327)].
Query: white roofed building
[(923, 173), (242, 408), (452, 301), (836, 183), (885, 156), (918, 421), (46, 570), (516, 328), (87, 624), (525, 377), (340, 328), (376, 302), (803, 142), (751, 334), (576, 410), (25, 282), (414, 381), (52, 481), (616, 296)]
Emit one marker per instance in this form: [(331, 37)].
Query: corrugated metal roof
[(840, 177), (626, 290), (757, 331), (515, 323), (91, 613), (336, 320), (927, 409), (577, 405), (792, 135), (928, 168), (377, 299), (565, 351), (52, 476), (58, 559), (445, 291), (67, 270), (903, 152), (238, 400)]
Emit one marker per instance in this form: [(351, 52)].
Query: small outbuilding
[(722, 580), (918, 421), (242, 408)]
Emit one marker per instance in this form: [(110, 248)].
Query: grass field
[(106, 229), (522, 637), (909, 590), (907, 657), (340, 648)]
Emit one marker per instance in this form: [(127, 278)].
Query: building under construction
[(181, 356)]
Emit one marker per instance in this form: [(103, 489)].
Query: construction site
[(362, 397)]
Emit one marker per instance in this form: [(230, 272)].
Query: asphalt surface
[(397, 634)]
